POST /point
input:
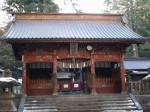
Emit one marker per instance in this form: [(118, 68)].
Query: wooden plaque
[(73, 49)]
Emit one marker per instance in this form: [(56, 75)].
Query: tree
[(7, 60), (141, 16), (137, 13), (74, 6), (1, 31), (144, 49), (40, 6), (117, 6)]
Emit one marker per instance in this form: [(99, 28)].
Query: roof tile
[(70, 29)]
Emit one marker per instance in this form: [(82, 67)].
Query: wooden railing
[(104, 79), (138, 87), (33, 81), (107, 85)]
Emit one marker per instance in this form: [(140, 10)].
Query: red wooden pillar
[(24, 78), (122, 77), (55, 88), (93, 89)]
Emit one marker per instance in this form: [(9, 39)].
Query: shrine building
[(71, 53)]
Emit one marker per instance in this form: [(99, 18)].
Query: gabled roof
[(71, 27)]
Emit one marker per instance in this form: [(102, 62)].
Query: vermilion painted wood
[(61, 51)]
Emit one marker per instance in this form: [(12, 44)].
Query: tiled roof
[(136, 64), (70, 29)]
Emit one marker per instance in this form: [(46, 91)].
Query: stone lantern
[(6, 95)]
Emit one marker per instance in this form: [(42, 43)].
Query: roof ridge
[(62, 16)]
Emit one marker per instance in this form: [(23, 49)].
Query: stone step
[(80, 106), (98, 107), (82, 109), (87, 99), (83, 103), (80, 95), (73, 99), (43, 110), (77, 96), (101, 108), (93, 110), (80, 103)]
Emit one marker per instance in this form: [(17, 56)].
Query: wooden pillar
[(93, 89), (24, 78), (122, 73), (55, 88)]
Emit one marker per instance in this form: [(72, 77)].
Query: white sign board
[(76, 85), (66, 85)]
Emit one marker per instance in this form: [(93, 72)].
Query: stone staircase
[(81, 103)]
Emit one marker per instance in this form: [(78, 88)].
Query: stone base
[(94, 93), (6, 103), (55, 94), (124, 92)]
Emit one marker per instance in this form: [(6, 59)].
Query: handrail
[(135, 102), (22, 102)]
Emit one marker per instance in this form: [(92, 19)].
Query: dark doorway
[(39, 78)]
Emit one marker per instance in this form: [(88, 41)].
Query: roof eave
[(83, 40), (103, 14)]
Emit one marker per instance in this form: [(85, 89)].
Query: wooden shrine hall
[(74, 53)]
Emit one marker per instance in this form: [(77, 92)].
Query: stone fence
[(138, 87)]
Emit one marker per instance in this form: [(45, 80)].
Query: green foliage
[(118, 5), (129, 52), (54, 77), (1, 31), (144, 50), (7, 73), (137, 13), (141, 17), (7, 60), (90, 79), (30, 6)]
